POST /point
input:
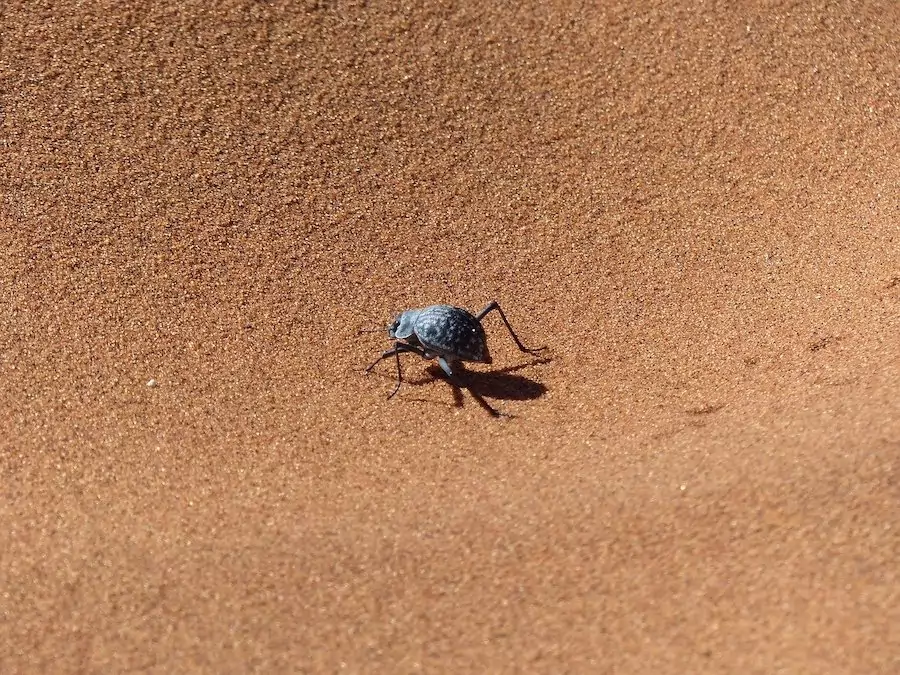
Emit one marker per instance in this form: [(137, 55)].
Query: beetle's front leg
[(399, 347)]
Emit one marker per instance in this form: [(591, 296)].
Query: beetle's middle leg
[(455, 381)]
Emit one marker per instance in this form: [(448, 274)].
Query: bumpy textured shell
[(452, 331)]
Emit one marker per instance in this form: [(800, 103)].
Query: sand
[(694, 205)]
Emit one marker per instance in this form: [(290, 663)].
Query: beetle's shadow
[(501, 384)]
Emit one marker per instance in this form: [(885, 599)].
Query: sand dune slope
[(694, 205)]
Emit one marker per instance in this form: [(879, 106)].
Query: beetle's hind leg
[(496, 306)]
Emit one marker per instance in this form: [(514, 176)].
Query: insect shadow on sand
[(501, 384)]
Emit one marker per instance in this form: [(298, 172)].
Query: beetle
[(448, 333)]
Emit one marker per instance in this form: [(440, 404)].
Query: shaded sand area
[(695, 205)]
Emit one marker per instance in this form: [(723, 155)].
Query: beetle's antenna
[(370, 330)]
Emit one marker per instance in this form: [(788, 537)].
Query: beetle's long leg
[(454, 380), (385, 355), (495, 305), (399, 347), (399, 374)]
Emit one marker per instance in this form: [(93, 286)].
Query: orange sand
[(696, 206)]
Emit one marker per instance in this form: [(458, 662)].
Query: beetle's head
[(402, 327)]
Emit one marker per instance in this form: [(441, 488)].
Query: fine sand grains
[(694, 204)]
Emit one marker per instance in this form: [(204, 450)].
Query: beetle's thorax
[(403, 326)]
